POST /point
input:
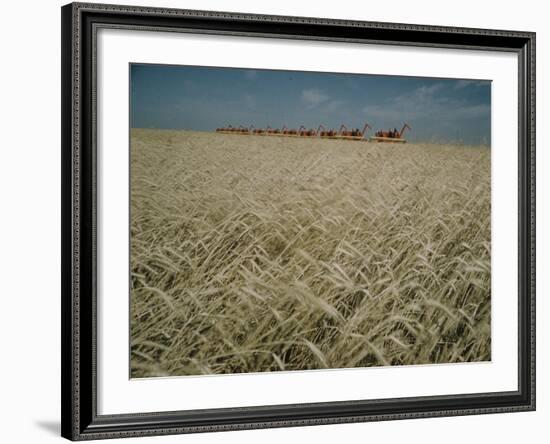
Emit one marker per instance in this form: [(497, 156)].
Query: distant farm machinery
[(321, 132), (391, 135), (353, 134)]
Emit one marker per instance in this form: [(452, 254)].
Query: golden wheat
[(253, 253)]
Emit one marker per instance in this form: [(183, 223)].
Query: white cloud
[(461, 84), (472, 111), (420, 95), (426, 102), (429, 90), (313, 97), (334, 105)]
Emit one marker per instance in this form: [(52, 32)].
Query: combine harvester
[(232, 130), (226, 129), (391, 135), (289, 132), (256, 131), (353, 134), (304, 132), (343, 133), (327, 134)]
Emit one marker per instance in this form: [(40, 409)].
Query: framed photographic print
[(278, 221)]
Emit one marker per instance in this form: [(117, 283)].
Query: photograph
[(297, 220), (284, 221)]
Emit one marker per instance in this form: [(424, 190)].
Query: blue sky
[(204, 98)]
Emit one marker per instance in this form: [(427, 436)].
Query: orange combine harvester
[(343, 133), (353, 134), (391, 135)]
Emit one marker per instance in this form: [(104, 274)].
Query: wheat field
[(255, 253)]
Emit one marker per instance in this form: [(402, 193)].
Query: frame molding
[(79, 418)]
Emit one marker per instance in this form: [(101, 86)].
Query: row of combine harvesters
[(392, 135)]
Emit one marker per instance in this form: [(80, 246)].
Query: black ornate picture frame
[(80, 420)]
